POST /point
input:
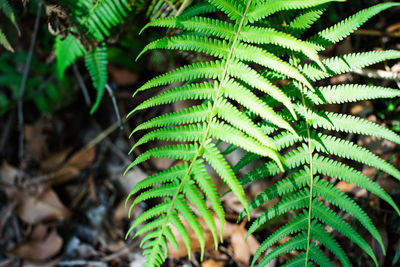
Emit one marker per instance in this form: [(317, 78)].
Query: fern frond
[(304, 21), (349, 150), (336, 197), (193, 91), (344, 28), (180, 151), (165, 176), (190, 115), (340, 171), (203, 179), (183, 208), (198, 201), (271, 122), (296, 243), (199, 9), (346, 63), (350, 124), (245, 97), (231, 114), (67, 51), (320, 234), (221, 166), (162, 191), (217, 28), (267, 8), (234, 9), (326, 215), (260, 35), (7, 10), (96, 63), (346, 93), (97, 18), (4, 41), (292, 202), (200, 70)]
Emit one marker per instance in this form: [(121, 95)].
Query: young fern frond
[(302, 192), (230, 80)]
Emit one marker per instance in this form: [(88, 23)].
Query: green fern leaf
[(346, 63), (304, 21), (96, 63), (180, 151), (4, 42), (193, 91), (182, 206), (221, 166), (346, 93), (326, 215), (67, 51), (204, 181), (338, 198), (296, 243), (344, 28), (350, 124)]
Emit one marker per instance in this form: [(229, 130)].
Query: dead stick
[(23, 84)]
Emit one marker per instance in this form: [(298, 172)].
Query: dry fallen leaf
[(41, 207), (233, 233), (213, 263), (40, 245), (8, 173), (122, 211), (194, 245), (79, 161), (122, 76), (35, 140), (54, 161)]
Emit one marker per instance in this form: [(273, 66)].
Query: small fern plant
[(91, 21), (250, 51), (313, 155)]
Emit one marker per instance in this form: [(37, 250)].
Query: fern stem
[(311, 174), (211, 118), (308, 129)]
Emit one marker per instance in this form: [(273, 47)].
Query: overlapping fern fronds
[(92, 21), (314, 154), (228, 81)]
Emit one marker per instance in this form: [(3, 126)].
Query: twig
[(103, 134), (82, 263), (378, 74), (378, 33), (23, 83), (82, 85), (182, 7), (7, 131), (114, 101)]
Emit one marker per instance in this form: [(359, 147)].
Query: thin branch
[(82, 85), (182, 7), (23, 84), (378, 33), (114, 101), (378, 74)]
